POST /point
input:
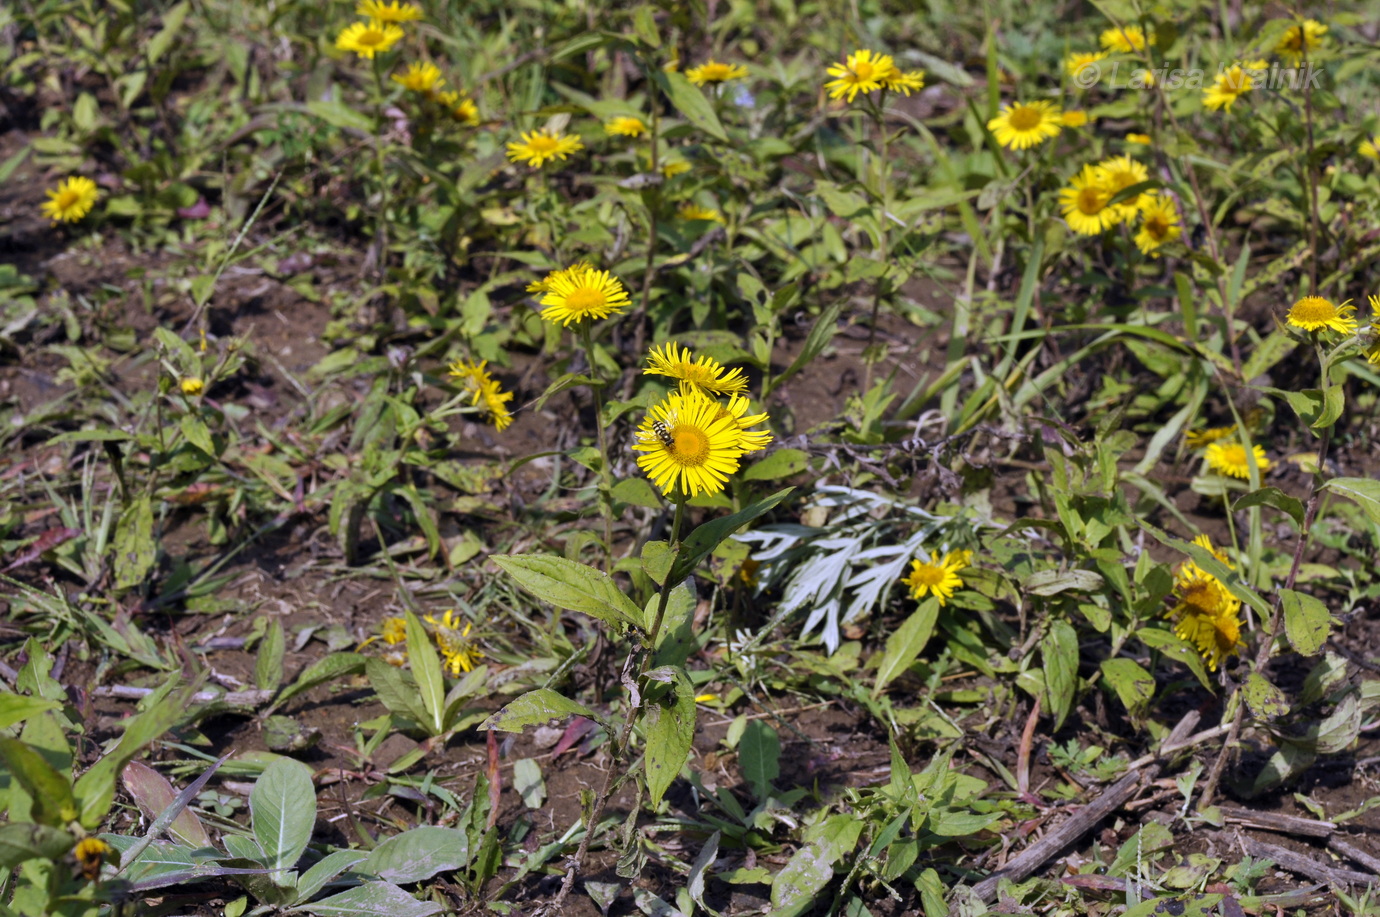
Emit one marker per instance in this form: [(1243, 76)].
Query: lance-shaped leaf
[(572, 586)]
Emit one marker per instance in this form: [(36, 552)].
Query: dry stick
[(1365, 859), (1085, 819), (1284, 824), (1306, 866)]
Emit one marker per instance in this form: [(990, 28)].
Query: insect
[(663, 434)]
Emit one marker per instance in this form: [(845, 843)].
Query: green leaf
[(323, 670), (1316, 407), (1273, 496), (1264, 700), (1174, 648), (425, 663), (656, 561), (20, 842), (528, 782), (338, 114), (636, 491), (372, 899), (572, 586), (282, 808), (155, 796), (906, 642), (1052, 582), (135, 549), (419, 854), (172, 23), (690, 102), (324, 870), (1288, 761), (1059, 648), (707, 537), (1307, 621), (15, 708), (780, 464), (669, 728), (268, 665), (759, 757), (1132, 684), (533, 708), (1364, 491), (396, 689), (825, 327), (812, 866), (53, 801)]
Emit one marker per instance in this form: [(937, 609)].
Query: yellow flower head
[(864, 71), (484, 391), (1208, 618), (1076, 64), (748, 440), (90, 853), (687, 445), (674, 167), (580, 295), (462, 108), (1230, 459), (904, 82), (1118, 174), (711, 71), (937, 578), (393, 630), (1231, 84), (1370, 148), (704, 374), (625, 127), (1314, 313), (1201, 439), (458, 649), (689, 210), (368, 38), (1139, 139), (390, 11), (191, 386), (1022, 125), (544, 285), (71, 200), (420, 77), (1084, 202), (1074, 118), (541, 146), (1159, 223), (1299, 40), (1127, 39), (1189, 569)]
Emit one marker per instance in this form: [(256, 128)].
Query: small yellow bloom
[(625, 127), (1127, 39), (1075, 118), (390, 11), (706, 698), (904, 82), (674, 167), (485, 391), (1301, 39), (1230, 459), (394, 630), (937, 578), (544, 285), (703, 373), (1370, 148), (689, 210), (90, 853), (541, 146), (1022, 125), (1208, 618), (1142, 139), (1084, 202), (1075, 65), (420, 77), (864, 72), (1159, 224), (458, 649), (192, 386), (1231, 84), (462, 108), (1201, 439), (368, 38), (71, 200), (1118, 174), (1314, 313), (711, 71)]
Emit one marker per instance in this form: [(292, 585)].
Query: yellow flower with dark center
[(1084, 202), (191, 386), (904, 82), (1230, 459), (711, 71), (1118, 174), (687, 445), (544, 285), (702, 373), (748, 440), (1201, 439), (536, 148), (420, 77), (1370, 148), (71, 200), (689, 210), (368, 38), (1126, 39), (1208, 618), (1075, 118), (484, 391), (938, 578), (389, 11), (580, 295), (1159, 224), (90, 853), (462, 108), (1022, 125), (1314, 313), (458, 649), (1231, 84), (1140, 139), (625, 126), (1300, 39), (1076, 64), (864, 71)]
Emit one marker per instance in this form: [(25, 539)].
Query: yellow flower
[(711, 71), (457, 648), (390, 11), (687, 445), (368, 38), (1230, 459), (1142, 139), (420, 77), (1084, 202), (904, 82), (748, 440), (1231, 84), (864, 72), (625, 127), (1300, 39), (674, 167), (1370, 148), (937, 578), (583, 294), (692, 211), (1208, 618), (484, 390), (1075, 64), (71, 200), (1118, 174), (462, 107), (1075, 118), (192, 386), (1189, 569), (393, 630), (1159, 224), (1313, 313), (701, 373), (1126, 39), (541, 146), (544, 285), (1201, 439), (1025, 124), (90, 853)]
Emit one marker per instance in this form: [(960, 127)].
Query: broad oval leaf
[(282, 808), (1307, 621), (536, 707), (670, 729), (572, 586), (418, 854)]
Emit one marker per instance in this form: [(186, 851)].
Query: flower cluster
[(1095, 201), (380, 30), (1206, 614), (691, 441), (866, 71), (485, 391), (425, 79)]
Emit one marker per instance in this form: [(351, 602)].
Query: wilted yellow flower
[(1076, 64), (674, 167), (420, 77), (582, 295), (702, 373), (937, 577), (1300, 39), (1126, 39), (687, 446), (191, 386), (1201, 439), (541, 146), (544, 285), (1230, 459), (864, 72), (748, 440), (1231, 84), (625, 127), (1143, 139), (1207, 612), (390, 11), (71, 200), (1314, 313), (711, 71), (689, 210), (1370, 148), (90, 853), (1022, 125), (458, 649), (485, 391), (462, 107), (1084, 202), (1075, 118), (1159, 224), (368, 38)]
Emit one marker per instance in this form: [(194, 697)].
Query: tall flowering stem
[(605, 471), (878, 111)]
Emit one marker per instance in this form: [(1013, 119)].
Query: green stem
[(381, 226), (605, 471), (883, 255), (667, 586)]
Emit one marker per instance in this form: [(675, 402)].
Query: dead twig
[(1306, 866)]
